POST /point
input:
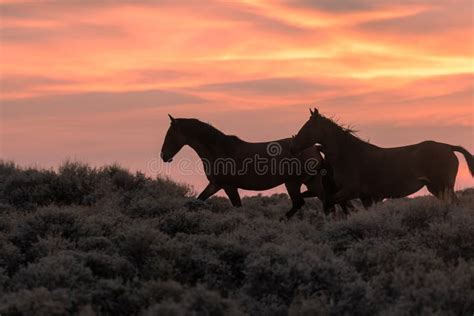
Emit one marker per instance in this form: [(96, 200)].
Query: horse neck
[(204, 151), (344, 149), (208, 149)]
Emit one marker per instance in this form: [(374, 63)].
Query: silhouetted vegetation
[(105, 241)]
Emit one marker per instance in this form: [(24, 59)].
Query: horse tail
[(467, 155)]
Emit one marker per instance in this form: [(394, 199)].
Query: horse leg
[(317, 189), (308, 194), (329, 207), (297, 200), (446, 195), (347, 206), (323, 188), (209, 191), (234, 196), (367, 202), (342, 196), (453, 198)]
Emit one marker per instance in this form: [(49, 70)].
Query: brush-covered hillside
[(104, 241)]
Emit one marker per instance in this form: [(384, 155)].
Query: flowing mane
[(343, 129), (204, 131)]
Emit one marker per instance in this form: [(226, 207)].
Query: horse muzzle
[(165, 158)]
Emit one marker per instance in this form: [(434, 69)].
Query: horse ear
[(311, 112), (172, 119), (315, 112)]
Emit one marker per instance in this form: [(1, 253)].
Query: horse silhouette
[(242, 164), (362, 169)]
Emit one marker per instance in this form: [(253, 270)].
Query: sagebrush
[(106, 241)]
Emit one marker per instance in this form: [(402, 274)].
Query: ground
[(105, 241)]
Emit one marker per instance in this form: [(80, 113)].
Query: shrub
[(284, 272), (4, 279), (182, 222), (136, 244), (64, 270), (100, 244), (159, 291), (75, 184), (88, 241), (452, 239), (10, 256), (37, 301), (152, 207), (50, 221), (109, 267), (196, 301), (113, 297), (29, 189)]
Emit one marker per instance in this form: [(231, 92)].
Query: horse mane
[(346, 129), (205, 131)]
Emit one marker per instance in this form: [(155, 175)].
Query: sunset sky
[(93, 80)]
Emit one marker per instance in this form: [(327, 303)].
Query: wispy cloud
[(31, 34), (12, 83), (93, 102), (438, 20), (275, 86)]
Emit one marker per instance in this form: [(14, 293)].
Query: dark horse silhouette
[(362, 169), (231, 163)]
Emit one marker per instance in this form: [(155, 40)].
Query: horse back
[(399, 171), (261, 166)]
